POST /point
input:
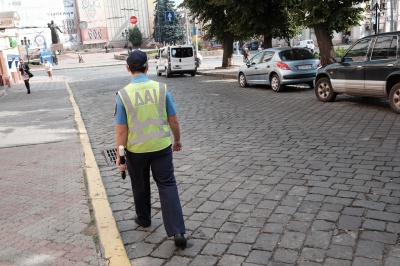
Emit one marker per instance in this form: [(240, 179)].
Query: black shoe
[(180, 240), (29, 92), (141, 223)]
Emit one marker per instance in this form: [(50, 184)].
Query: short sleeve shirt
[(120, 116)]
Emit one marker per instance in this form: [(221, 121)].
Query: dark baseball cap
[(137, 58)]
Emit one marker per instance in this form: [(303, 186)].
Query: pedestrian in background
[(143, 111), (245, 52), (49, 68), (25, 73), (80, 58)]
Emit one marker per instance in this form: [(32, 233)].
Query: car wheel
[(311, 84), (158, 73), (394, 98), (242, 81), (324, 90), (276, 85)]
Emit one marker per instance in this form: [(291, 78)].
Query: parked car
[(278, 67), (254, 45), (306, 44), (369, 68)]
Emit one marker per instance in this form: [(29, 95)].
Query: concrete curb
[(218, 75), (110, 238)]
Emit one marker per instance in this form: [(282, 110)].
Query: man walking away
[(143, 111)]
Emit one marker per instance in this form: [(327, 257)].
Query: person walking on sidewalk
[(25, 73), (49, 68), (143, 111)]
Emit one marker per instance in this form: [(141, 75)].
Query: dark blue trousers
[(160, 164)]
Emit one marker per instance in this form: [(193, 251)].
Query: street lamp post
[(378, 9), (125, 34)]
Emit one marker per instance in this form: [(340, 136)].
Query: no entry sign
[(133, 20)]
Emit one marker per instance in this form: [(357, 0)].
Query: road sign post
[(133, 20), (169, 16)]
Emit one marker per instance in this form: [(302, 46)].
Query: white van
[(306, 44), (179, 59)]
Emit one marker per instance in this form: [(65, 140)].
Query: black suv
[(370, 68)]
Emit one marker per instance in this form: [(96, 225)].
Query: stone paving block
[(304, 217), (393, 227), (332, 207), (309, 207), (359, 261), (239, 249), (337, 262), (273, 228), (247, 235), (202, 260), (279, 218), (266, 242), (383, 216), (179, 261), (292, 240), (340, 252), (285, 255), (328, 216), (370, 205), (140, 249), (354, 211), (204, 233), (165, 250), (374, 225), (258, 257), (285, 210), (193, 248), (298, 226), (230, 227), (370, 249), (391, 261), (268, 204), (318, 239), (312, 254), (321, 225), (231, 260), (383, 237), (214, 249), (208, 206), (352, 223)]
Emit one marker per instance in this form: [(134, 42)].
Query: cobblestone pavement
[(264, 178), (45, 214)]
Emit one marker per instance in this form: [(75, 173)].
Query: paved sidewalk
[(45, 216)]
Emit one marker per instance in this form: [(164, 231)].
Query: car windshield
[(296, 54)]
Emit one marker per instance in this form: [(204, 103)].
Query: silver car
[(278, 67)]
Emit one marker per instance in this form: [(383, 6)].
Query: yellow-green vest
[(147, 116)]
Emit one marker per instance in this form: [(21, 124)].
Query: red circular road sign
[(133, 20)]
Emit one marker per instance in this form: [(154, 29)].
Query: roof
[(10, 14)]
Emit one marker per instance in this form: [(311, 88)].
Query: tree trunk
[(267, 42), (228, 49), (324, 40)]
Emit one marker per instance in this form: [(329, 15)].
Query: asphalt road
[(264, 178)]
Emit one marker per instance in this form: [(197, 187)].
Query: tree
[(271, 19), (216, 16), (164, 30), (318, 14), (135, 36)]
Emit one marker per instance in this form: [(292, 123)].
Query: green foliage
[(135, 36), (167, 31), (340, 51), (332, 14)]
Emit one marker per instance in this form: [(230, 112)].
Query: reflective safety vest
[(147, 116)]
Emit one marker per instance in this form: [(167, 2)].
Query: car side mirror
[(248, 64)]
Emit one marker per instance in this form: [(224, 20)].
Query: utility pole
[(187, 27), (391, 15)]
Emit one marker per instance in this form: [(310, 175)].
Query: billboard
[(93, 22)]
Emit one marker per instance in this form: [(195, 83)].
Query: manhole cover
[(110, 156)]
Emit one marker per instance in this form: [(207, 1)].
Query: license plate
[(304, 67)]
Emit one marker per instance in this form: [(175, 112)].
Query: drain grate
[(110, 156)]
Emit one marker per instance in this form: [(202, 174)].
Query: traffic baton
[(121, 149)]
